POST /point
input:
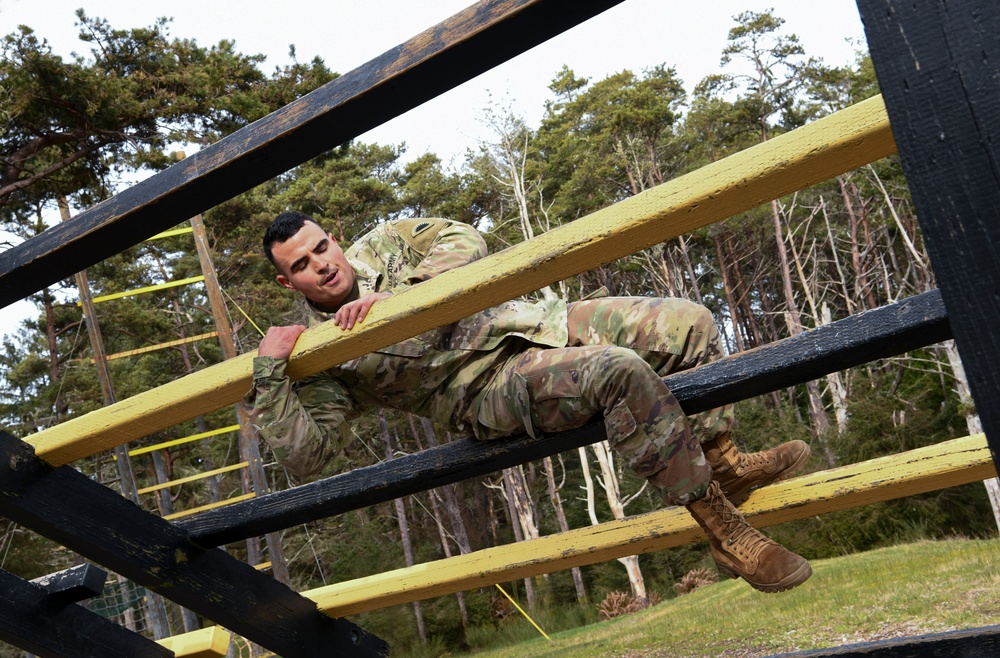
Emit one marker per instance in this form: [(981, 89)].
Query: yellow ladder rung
[(141, 291), (192, 478), (205, 508), (171, 233), (160, 346), (186, 439)]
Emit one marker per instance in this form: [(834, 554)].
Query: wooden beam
[(71, 509), (983, 642), (938, 64), (856, 340), (456, 50), (34, 620), (947, 464), (813, 153), (203, 643), (73, 585)]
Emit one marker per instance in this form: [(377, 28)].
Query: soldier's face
[(312, 263)]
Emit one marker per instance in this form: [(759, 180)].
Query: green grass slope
[(928, 586)]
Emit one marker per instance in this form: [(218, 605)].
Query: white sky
[(635, 35)]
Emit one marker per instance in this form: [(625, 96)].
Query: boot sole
[(740, 497), (793, 579)]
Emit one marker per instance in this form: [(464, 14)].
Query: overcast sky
[(635, 35)]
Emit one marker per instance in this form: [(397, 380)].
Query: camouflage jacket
[(436, 374)]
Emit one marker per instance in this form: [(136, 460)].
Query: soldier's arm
[(452, 245), (305, 424)]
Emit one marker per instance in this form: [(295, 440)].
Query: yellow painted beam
[(816, 152), (203, 643), (205, 508), (927, 469), (193, 478)]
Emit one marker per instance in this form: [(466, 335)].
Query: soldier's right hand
[(279, 341)]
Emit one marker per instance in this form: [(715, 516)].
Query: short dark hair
[(282, 228)]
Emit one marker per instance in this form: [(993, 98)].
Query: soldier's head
[(309, 260)]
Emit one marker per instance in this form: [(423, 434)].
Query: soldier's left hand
[(354, 312)]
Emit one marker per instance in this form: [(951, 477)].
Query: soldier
[(518, 367)]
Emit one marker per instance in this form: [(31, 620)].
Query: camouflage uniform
[(520, 366)]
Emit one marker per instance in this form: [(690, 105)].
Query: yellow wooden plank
[(818, 151), (193, 478), (205, 508), (203, 643), (186, 439), (141, 291), (927, 469)]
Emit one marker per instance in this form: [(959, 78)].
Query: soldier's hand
[(354, 312), (279, 341)]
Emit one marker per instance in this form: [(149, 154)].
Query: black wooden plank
[(78, 583), (448, 54), (890, 330), (970, 643), (938, 64), (69, 508), (32, 620)]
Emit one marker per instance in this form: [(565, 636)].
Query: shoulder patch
[(419, 234)]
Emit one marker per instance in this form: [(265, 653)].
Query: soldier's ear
[(283, 280)]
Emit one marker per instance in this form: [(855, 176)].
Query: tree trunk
[(454, 512), (581, 592), (730, 300), (972, 420), (793, 320), (522, 521), (836, 385), (613, 494), (404, 527)]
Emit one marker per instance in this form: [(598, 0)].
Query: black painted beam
[(446, 55), (32, 619), (890, 330), (938, 64), (96, 522), (970, 643), (75, 584)]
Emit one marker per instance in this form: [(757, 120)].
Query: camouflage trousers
[(618, 353)]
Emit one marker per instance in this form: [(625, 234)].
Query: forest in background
[(73, 128)]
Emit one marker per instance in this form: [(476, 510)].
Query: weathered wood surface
[(879, 333), (981, 642), (472, 41), (813, 153), (75, 584), (947, 464), (32, 620), (69, 508), (938, 64)]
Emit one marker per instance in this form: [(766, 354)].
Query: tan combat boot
[(741, 551), (738, 473)]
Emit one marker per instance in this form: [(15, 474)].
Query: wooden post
[(937, 64), (155, 607), (254, 478)]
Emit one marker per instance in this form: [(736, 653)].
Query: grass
[(929, 586)]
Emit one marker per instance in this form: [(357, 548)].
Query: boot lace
[(756, 460), (742, 538)]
